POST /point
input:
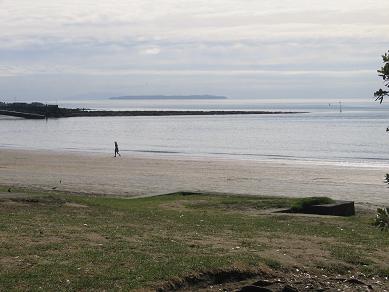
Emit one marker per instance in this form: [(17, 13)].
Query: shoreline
[(151, 154), (146, 175)]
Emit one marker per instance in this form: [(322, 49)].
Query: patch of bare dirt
[(181, 204), (293, 251), (95, 238), (270, 281), (74, 205), (36, 200), (381, 258), (8, 261), (9, 203), (206, 279)]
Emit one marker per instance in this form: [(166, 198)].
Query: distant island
[(175, 97)]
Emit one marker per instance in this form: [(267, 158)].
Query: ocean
[(356, 136)]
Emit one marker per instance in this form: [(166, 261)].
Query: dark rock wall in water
[(54, 111)]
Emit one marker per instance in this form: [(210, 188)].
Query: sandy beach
[(132, 175)]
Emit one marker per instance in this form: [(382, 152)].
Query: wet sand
[(135, 175)]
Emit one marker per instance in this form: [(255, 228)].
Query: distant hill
[(169, 97)]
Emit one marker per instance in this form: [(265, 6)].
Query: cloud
[(192, 38), (151, 51)]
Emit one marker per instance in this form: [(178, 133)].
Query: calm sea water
[(355, 137)]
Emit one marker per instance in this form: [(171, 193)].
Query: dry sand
[(133, 175)]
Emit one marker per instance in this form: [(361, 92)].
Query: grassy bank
[(59, 242)]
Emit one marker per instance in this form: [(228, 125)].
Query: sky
[(68, 49)]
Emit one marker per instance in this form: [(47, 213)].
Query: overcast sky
[(238, 48)]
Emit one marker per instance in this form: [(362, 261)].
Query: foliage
[(300, 204), (382, 219), (384, 73)]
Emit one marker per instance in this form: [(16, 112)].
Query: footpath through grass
[(67, 242)]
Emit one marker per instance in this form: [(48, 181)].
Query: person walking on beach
[(117, 149)]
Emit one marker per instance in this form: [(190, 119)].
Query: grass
[(65, 242), (350, 255)]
